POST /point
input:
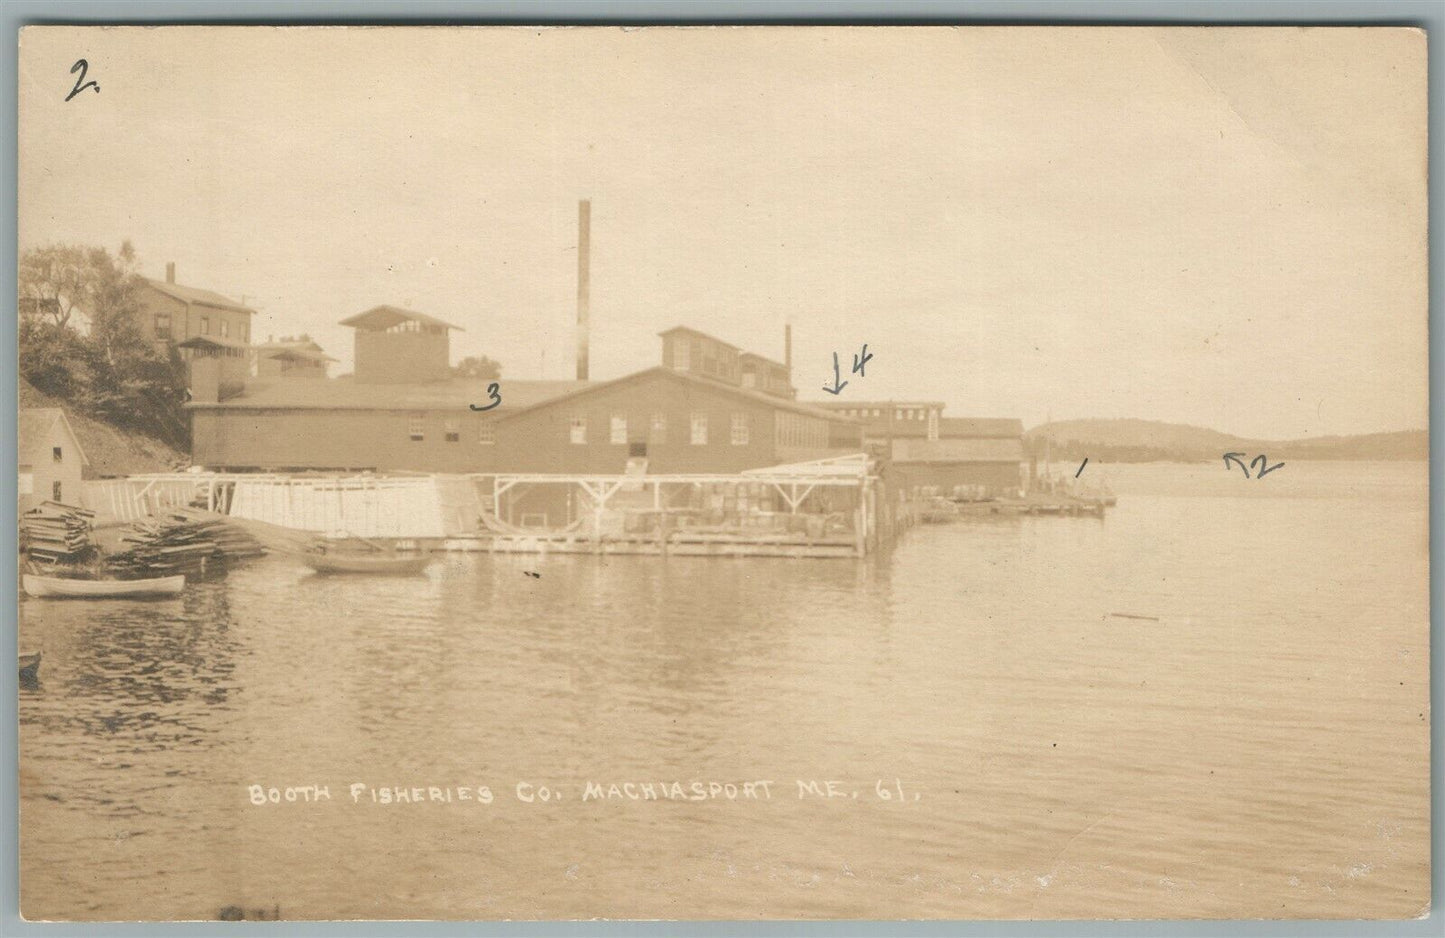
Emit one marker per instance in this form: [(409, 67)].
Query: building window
[(415, 428), (225, 329), (487, 435), (659, 428), (619, 430), (750, 379), (56, 454), (699, 429), (453, 430), (740, 430), (205, 325), (636, 450), (933, 425), (163, 325), (579, 430), (55, 492), (681, 360)]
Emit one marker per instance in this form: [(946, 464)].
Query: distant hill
[(111, 451), (1154, 441)]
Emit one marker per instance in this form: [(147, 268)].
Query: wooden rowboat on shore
[(380, 563), (54, 587), (29, 667)]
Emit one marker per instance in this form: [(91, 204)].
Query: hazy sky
[(1223, 227)]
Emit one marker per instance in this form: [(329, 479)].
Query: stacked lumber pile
[(181, 541), (55, 533)]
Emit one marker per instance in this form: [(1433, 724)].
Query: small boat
[(29, 667), (358, 562), (55, 587)]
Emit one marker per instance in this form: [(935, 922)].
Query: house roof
[(980, 427), (691, 331), (958, 450), (307, 343), (212, 341), (346, 393), (383, 317), (33, 427), (780, 403), (197, 296), (762, 358), (293, 353), (881, 405)]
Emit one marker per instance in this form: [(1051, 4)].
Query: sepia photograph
[(723, 473)]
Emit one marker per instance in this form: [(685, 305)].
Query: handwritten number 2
[(1262, 466), (1259, 463), (494, 391), (81, 84)]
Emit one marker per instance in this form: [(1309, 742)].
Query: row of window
[(901, 413), (798, 430), (163, 327), (451, 430), (740, 431)]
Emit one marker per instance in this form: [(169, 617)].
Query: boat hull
[(50, 587), (382, 566)]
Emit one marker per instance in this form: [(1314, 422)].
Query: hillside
[(111, 451), (1154, 441)]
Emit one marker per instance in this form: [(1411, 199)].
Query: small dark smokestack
[(584, 285), (170, 272)]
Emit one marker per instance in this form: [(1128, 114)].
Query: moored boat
[(54, 587), (380, 563), (29, 667)]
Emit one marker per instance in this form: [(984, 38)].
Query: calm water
[(1259, 750)]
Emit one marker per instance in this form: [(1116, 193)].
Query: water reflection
[(977, 662)]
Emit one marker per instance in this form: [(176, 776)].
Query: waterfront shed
[(51, 463)]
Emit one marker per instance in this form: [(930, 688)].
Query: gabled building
[(402, 410), (698, 354), (174, 313), (400, 346), (290, 357), (975, 455), (51, 462)]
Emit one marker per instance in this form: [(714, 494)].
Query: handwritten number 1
[(81, 84)]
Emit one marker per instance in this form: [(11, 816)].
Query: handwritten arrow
[(1237, 459), (838, 383)]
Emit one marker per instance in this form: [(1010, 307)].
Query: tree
[(52, 282), (114, 372), (474, 367)]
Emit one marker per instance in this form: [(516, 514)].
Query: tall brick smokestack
[(171, 272), (788, 349), (584, 285)]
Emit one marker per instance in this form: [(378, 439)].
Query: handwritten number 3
[(81, 84), (494, 391)]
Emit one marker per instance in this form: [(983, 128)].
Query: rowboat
[(29, 666), (56, 587), (383, 564)]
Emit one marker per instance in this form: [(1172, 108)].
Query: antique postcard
[(723, 473)]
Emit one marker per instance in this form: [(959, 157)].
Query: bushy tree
[(112, 372), (474, 367)]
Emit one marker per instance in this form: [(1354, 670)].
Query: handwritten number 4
[(81, 84), (861, 360)]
